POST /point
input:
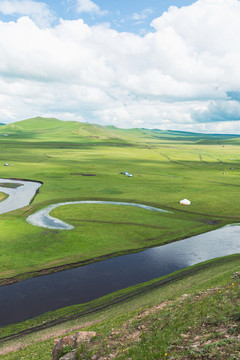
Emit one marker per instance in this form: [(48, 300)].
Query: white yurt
[(185, 202)]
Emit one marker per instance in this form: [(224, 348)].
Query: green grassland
[(2, 196), (166, 166)]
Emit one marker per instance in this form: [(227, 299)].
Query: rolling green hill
[(51, 129)]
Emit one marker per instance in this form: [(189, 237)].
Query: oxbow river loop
[(42, 217), (22, 195)]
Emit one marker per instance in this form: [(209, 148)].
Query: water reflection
[(35, 296)]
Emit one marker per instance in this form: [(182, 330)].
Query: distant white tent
[(185, 202)]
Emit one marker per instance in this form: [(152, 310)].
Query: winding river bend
[(36, 296), (42, 218), (17, 197)]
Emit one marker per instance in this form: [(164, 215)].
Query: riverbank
[(39, 295), (68, 266), (3, 196), (164, 172), (113, 310), (101, 231), (19, 193)]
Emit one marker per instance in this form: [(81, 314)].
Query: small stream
[(32, 297)]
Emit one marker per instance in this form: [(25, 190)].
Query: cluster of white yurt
[(127, 174)]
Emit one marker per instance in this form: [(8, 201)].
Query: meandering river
[(42, 218), (36, 296), (17, 197)]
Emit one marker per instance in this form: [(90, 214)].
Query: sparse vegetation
[(205, 325)]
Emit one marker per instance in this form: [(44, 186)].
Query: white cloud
[(38, 11), (89, 6), (219, 111), (139, 17), (183, 75)]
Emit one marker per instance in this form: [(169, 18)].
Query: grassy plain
[(166, 167)]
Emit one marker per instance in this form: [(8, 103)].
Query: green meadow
[(167, 167), (81, 161)]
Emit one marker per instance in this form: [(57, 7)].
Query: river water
[(42, 218), (36, 296), (32, 297), (18, 197)]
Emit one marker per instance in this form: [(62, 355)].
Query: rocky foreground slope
[(201, 326)]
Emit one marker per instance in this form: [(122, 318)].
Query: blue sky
[(120, 14), (135, 16), (154, 64), (132, 16)]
